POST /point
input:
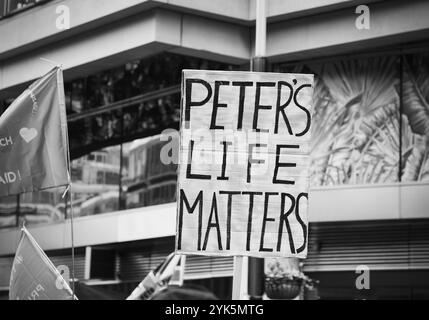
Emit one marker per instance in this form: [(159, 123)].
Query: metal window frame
[(122, 104)]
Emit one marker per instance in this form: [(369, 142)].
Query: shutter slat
[(200, 267), (79, 263), (378, 244)]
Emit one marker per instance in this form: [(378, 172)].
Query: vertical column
[(256, 272)]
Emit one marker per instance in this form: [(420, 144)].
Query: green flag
[(34, 140)]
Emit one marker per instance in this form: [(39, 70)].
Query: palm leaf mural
[(416, 99), (356, 126), (325, 120), (376, 140), (417, 162), (416, 109)]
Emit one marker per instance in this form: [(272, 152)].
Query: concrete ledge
[(153, 28), (135, 38), (350, 203), (334, 33), (91, 14)]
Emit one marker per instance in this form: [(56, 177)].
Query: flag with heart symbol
[(34, 140)]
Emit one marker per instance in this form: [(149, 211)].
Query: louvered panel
[(378, 244), (135, 265), (57, 260), (158, 257), (66, 260), (198, 267)]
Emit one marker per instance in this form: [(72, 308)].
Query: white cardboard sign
[(244, 164)]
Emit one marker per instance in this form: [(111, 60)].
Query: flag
[(146, 289), (33, 275), (33, 138), (156, 280)]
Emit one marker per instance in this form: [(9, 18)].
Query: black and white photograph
[(246, 152)]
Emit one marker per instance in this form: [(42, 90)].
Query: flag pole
[(69, 189), (72, 236), (69, 192), (69, 186)]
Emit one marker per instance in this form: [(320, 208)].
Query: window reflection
[(114, 121), (113, 127), (42, 207), (9, 7), (93, 133), (100, 88), (99, 188), (8, 210), (157, 114), (148, 181), (95, 182), (2, 8), (132, 79), (20, 4), (77, 96)]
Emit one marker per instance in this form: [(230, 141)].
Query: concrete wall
[(107, 33), (133, 38), (333, 33), (91, 14)]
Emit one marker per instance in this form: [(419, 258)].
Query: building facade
[(122, 65)]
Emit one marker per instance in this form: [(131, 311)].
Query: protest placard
[(244, 164)]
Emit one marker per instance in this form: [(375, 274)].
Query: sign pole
[(256, 271), (237, 277), (249, 174)]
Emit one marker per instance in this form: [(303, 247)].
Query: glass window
[(68, 95), (43, 207), (92, 133), (19, 4), (149, 179), (77, 100), (115, 153), (95, 181), (2, 106), (152, 116), (132, 79), (8, 212), (100, 90), (2, 8)]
